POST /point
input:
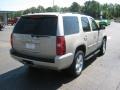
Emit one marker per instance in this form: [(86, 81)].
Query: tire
[(31, 68), (78, 63), (103, 47)]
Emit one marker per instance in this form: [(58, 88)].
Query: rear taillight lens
[(11, 40), (60, 45)]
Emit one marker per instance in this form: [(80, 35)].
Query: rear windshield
[(38, 25)]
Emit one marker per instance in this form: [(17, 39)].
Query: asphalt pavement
[(100, 73)]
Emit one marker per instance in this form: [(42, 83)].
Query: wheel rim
[(104, 46), (79, 63)]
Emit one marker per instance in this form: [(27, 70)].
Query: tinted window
[(38, 25), (71, 25), (94, 25), (85, 24)]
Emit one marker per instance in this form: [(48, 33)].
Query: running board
[(91, 55)]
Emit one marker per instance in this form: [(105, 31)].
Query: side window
[(71, 25), (94, 25), (85, 24)]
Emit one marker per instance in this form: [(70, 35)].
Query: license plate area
[(30, 46)]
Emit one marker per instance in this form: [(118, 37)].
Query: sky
[(14, 5)]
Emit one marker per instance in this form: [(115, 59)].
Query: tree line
[(92, 8)]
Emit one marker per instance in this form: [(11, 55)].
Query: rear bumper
[(58, 63)]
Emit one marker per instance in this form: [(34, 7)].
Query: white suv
[(57, 41)]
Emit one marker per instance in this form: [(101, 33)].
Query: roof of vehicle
[(56, 14)]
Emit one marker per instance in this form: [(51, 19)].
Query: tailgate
[(42, 46)]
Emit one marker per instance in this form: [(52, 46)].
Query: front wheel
[(103, 47), (77, 65)]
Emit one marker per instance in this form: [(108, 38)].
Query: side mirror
[(101, 26)]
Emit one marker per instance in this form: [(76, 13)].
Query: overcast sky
[(13, 5)]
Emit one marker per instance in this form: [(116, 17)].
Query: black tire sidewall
[(73, 66), (102, 51)]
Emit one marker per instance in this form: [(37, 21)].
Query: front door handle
[(94, 37), (85, 38)]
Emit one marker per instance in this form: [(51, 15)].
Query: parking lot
[(100, 73)]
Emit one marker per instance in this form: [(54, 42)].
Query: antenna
[(53, 3)]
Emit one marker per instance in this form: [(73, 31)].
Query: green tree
[(26, 11), (75, 7), (33, 10), (117, 10), (49, 9), (64, 9), (92, 8), (40, 9), (56, 8), (53, 9)]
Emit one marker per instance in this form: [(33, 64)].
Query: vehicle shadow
[(90, 61), (24, 78)]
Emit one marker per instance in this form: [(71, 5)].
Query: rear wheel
[(103, 47), (77, 65)]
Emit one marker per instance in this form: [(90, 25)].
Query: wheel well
[(105, 37), (81, 47)]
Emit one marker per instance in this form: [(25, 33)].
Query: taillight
[(60, 45), (11, 40)]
